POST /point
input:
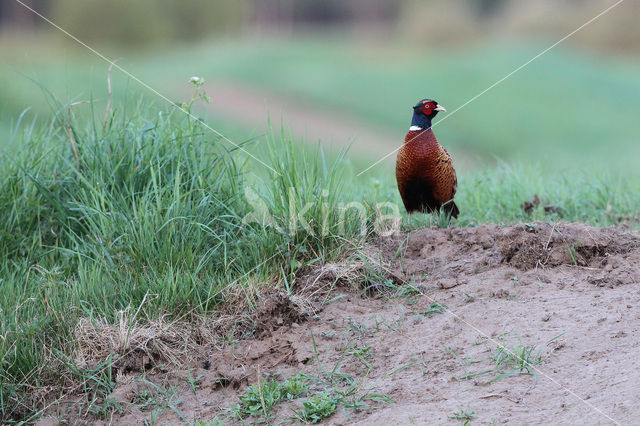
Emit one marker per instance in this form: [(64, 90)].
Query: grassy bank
[(96, 218), (93, 219)]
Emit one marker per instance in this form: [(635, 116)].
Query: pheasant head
[(423, 112)]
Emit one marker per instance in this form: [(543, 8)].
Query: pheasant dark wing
[(446, 183)]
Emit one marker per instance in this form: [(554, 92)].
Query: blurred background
[(347, 72)]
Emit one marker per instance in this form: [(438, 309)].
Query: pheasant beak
[(440, 108)]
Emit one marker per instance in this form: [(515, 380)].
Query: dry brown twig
[(74, 146)]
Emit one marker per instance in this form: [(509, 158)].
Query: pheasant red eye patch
[(427, 108)]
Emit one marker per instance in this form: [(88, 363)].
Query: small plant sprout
[(466, 415), (194, 382), (503, 361), (434, 308), (261, 399), (320, 406)]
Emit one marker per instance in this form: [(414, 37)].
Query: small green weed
[(504, 360), (153, 418), (145, 400), (260, 399), (157, 399), (316, 408), (466, 415), (384, 322), (434, 308), (515, 360), (356, 400), (573, 253), (356, 328), (105, 408), (194, 382), (213, 422), (295, 386), (407, 292), (362, 353)]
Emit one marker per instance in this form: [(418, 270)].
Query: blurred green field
[(566, 111)]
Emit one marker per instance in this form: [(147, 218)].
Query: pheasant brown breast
[(425, 174)]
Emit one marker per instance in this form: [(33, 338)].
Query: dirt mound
[(518, 324), (459, 252), (277, 310)]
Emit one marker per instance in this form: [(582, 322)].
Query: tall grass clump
[(93, 219), (95, 216), (311, 205)]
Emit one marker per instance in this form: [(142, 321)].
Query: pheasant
[(425, 174)]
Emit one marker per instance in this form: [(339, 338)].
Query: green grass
[(261, 399), (156, 399), (504, 360), (317, 397), (434, 308)]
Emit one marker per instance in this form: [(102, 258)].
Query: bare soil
[(567, 292)]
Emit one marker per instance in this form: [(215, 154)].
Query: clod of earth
[(530, 205)]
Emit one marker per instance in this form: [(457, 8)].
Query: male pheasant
[(425, 174)]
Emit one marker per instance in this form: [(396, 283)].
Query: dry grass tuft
[(354, 271), (138, 347), (141, 345)]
